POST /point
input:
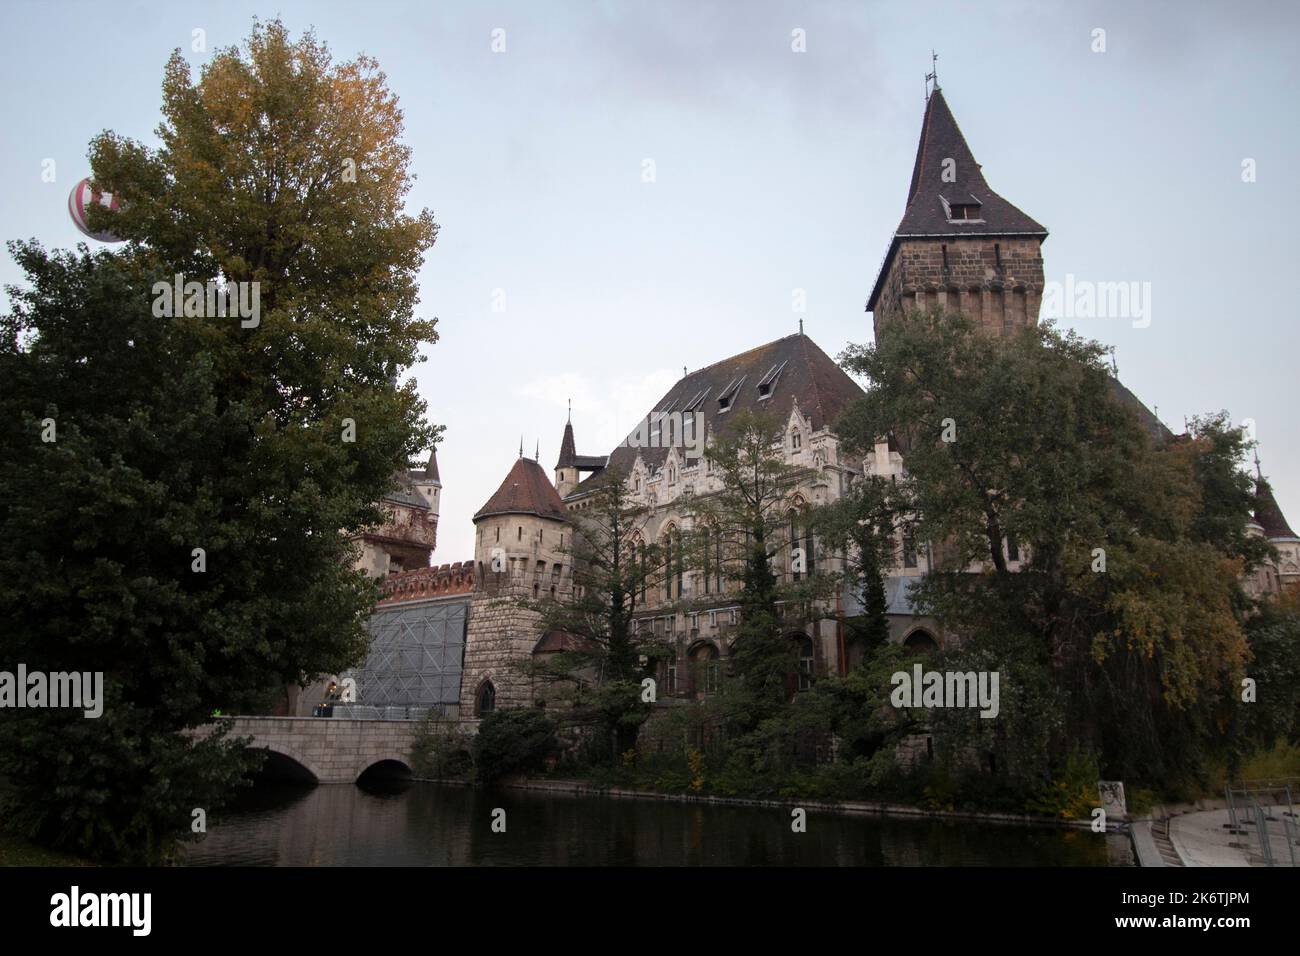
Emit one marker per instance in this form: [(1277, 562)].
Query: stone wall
[(995, 281), (500, 634)]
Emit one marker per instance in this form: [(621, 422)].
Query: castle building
[(959, 246), (1273, 576), (409, 534)]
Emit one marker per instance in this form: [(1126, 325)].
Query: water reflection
[(421, 824)]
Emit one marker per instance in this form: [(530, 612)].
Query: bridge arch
[(388, 767), (284, 762)]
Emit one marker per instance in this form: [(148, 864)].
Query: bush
[(1072, 795), (513, 741), (441, 751)]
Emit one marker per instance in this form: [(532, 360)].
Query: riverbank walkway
[(1203, 836)]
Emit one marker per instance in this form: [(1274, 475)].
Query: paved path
[(1204, 839)]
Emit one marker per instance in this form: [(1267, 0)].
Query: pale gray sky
[(775, 171)]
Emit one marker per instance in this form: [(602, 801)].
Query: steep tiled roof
[(405, 494), (569, 457), (526, 491), (1269, 514), (568, 450), (429, 472), (941, 140), (926, 213), (1154, 426), (555, 640), (803, 373)]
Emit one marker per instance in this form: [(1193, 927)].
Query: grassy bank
[(16, 851)]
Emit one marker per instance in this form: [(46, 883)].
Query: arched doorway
[(706, 669), (920, 641)]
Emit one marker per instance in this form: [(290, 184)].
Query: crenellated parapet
[(422, 583)]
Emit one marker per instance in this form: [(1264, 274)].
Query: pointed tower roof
[(938, 185), (1268, 514), (568, 449), (428, 473), (526, 491), (948, 196)]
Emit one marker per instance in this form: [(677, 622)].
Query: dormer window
[(728, 396), (962, 208), (768, 383)]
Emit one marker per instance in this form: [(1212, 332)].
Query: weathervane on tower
[(933, 74)]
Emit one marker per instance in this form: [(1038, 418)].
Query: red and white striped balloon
[(80, 198)]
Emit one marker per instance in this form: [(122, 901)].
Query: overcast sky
[(774, 171)]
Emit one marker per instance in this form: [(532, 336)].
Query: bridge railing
[(399, 712)]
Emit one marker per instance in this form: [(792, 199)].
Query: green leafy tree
[(1130, 611), (600, 671), (187, 532), (513, 741), (749, 516), (863, 524)]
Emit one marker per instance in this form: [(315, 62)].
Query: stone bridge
[(329, 749)]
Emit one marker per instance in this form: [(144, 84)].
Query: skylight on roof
[(768, 383), (729, 393), (694, 404)]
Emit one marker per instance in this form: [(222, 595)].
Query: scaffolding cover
[(415, 655)]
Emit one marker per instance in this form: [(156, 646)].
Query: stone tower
[(960, 246), (1269, 523), (520, 536), (566, 468), (571, 467), (429, 484)]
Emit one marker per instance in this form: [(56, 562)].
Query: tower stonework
[(960, 246), (519, 554)]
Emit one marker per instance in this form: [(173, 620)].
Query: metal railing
[(1254, 804)]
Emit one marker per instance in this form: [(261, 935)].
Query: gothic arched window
[(487, 699)]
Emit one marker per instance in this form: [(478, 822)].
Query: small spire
[(570, 409), (521, 446), (537, 454), (933, 75), (1114, 366), (801, 325), (1259, 475), (683, 371)]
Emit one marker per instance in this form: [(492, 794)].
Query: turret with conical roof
[(960, 246), (520, 532), (428, 483), (1268, 514), (570, 466), (1269, 523)]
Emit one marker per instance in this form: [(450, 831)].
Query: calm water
[(423, 824)]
